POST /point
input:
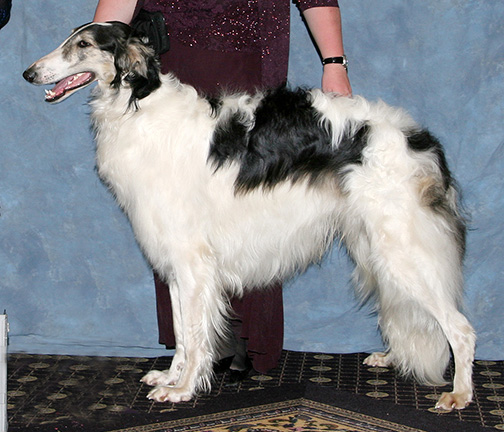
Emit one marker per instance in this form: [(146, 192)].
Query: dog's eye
[(83, 44)]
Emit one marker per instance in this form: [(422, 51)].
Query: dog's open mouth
[(68, 85)]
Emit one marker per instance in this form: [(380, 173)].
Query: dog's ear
[(137, 67)]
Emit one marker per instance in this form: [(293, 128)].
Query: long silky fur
[(244, 190)]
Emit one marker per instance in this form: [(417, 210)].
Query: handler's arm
[(115, 10), (325, 26)]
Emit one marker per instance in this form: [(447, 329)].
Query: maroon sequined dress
[(232, 45)]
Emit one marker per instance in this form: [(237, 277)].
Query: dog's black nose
[(29, 75)]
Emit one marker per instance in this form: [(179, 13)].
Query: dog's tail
[(418, 345)]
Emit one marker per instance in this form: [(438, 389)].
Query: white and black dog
[(247, 189)]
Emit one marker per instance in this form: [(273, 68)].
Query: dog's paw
[(170, 394), (377, 359), (450, 401), (157, 378)]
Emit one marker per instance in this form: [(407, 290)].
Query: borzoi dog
[(247, 189)]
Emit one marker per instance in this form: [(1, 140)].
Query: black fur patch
[(288, 142), (116, 39), (423, 140), (215, 104), (110, 38)]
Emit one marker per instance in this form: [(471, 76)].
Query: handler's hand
[(335, 80)]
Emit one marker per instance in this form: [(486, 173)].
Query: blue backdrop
[(71, 275)]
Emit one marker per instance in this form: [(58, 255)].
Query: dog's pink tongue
[(68, 83)]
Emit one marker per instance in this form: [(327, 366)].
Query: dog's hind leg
[(413, 255), (419, 331), (418, 270), (462, 338), (359, 248)]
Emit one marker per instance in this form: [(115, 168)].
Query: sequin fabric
[(224, 25), (251, 26), (227, 25)]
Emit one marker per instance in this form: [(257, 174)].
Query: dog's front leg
[(170, 377), (197, 318)]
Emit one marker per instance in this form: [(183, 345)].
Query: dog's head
[(109, 53)]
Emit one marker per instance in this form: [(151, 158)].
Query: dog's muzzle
[(63, 88)]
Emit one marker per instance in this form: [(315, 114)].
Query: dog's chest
[(125, 163), (140, 162)]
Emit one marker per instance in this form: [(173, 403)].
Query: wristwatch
[(342, 60)]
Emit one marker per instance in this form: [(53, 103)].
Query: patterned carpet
[(306, 392)]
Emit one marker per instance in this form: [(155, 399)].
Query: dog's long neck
[(134, 92), (171, 103)]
